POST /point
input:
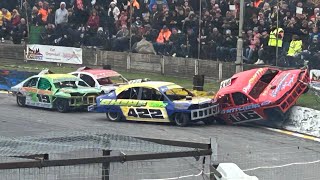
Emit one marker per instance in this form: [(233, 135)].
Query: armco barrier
[(11, 54), (303, 120)]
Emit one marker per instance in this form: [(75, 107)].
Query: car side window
[(44, 84), (240, 99), (151, 94), (31, 83), (131, 93), (88, 79)]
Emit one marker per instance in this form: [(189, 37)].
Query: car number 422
[(145, 113)]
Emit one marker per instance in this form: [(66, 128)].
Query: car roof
[(101, 73), (148, 84), (241, 80), (60, 77)]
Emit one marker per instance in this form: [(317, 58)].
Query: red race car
[(260, 94)]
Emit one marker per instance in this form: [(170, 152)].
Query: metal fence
[(86, 155)]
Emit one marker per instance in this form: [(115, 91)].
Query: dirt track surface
[(248, 147)]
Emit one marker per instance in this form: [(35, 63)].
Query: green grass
[(306, 100)]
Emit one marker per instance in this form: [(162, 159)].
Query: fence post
[(220, 71), (196, 67), (213, 157), (106, 166), (128, 61), (96, 58), (162, 65)]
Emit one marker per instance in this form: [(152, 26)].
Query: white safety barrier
[(231, 171), (303, 120)]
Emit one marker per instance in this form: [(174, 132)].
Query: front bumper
[(203, 113)]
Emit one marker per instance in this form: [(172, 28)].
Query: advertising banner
[(58, 54)]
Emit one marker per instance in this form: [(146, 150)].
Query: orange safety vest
[(134, 4)]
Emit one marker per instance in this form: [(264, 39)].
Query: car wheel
[(62, 105), (182, 119), (21, 100), (113, 116)]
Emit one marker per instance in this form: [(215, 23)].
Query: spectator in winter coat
[(61, 14), (15, 18), (93, 21), (226, 50), (114, 11)]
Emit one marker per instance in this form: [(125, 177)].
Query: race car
[(103, 79), (58, 91), (260, 94), (155, 101)]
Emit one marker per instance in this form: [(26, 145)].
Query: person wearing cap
[(114, 11), (61, 15)]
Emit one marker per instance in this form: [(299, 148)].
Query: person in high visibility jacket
[(275, 38), (295, 49)]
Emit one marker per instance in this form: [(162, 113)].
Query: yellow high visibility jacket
[(295, 47), (1, 18), (273, 38)]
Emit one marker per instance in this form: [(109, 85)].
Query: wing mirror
[(273, 87)]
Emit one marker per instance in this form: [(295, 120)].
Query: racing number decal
[(244, 116), (145, 113), (43, 98)]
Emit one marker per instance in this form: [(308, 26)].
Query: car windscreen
[(73, 84), (177, 94), (111, 80)]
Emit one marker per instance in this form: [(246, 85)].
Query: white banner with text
[(58, 54)]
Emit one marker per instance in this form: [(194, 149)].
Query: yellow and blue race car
[(155, 101)]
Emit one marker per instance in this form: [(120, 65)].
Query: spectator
[(227, 49), (93, 21), (19, 32), (43, 13), (15, 18), (61, 15), (295, 49), (121, 42), (162, 40)]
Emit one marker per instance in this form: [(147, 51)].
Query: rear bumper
[(199, 114), (82, 101)]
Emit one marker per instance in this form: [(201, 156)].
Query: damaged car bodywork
[(155, 101), (260, 94), (54, 91)]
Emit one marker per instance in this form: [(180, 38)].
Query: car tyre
[(21, 100), (114, 116), (62, 105), (182, 119)]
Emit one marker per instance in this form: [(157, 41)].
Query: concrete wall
[(180, 67)]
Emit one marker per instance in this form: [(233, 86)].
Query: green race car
[(55, 91)]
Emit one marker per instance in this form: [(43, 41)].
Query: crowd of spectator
[(172, 27)]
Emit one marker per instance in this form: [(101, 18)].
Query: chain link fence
[(98, 155)]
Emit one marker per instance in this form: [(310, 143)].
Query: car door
[(154, 109), (29, 90), (244, 110), (44, 93)]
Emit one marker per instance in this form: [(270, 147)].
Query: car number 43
[(145, 113)]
